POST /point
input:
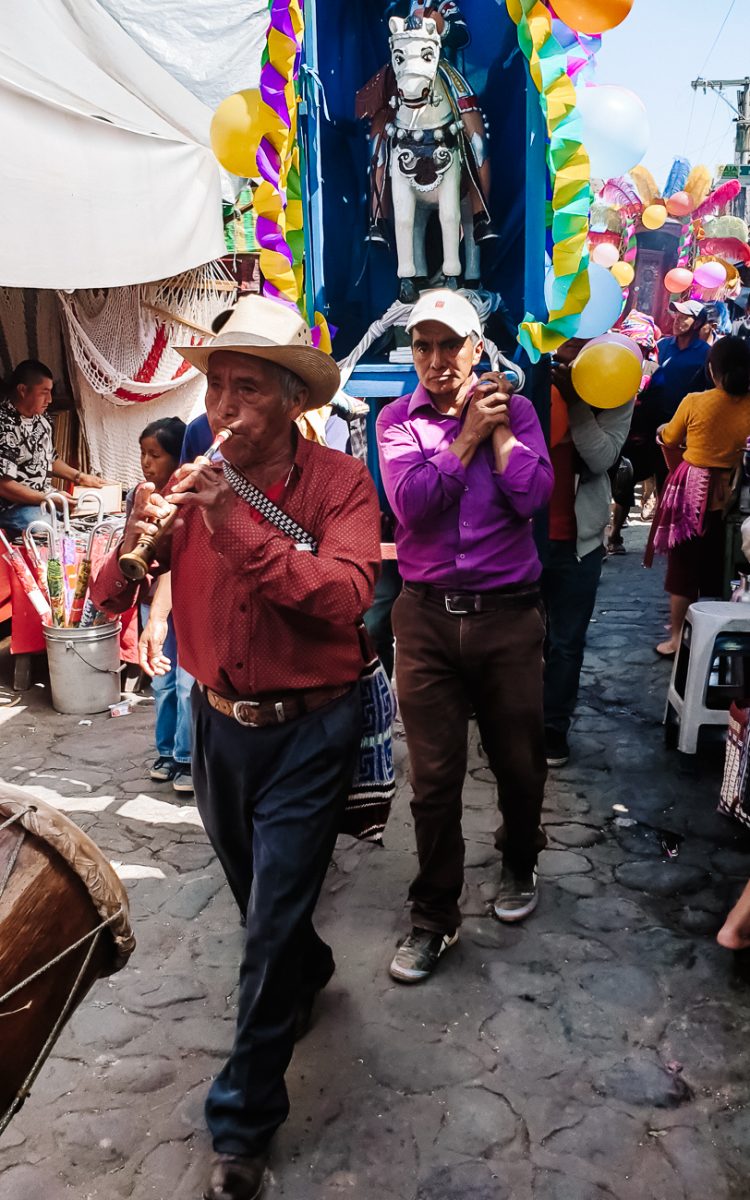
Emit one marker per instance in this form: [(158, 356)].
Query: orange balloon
[(680, 204), (592, 16), (558, 418)]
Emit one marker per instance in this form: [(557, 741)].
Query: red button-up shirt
[(252, 614)]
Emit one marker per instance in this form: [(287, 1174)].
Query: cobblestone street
[(598, 1052)]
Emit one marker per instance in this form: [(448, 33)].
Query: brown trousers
[(447, 665)]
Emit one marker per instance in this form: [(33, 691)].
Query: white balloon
[(605, 254), (616, 130), (604, 307)]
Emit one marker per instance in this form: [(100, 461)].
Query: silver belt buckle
[(237, 713), (452, 602)]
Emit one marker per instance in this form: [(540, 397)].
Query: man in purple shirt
[(465, 466)]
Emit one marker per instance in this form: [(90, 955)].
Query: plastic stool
[(713, 629)]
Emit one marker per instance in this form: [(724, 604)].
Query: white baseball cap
[(450, 309)]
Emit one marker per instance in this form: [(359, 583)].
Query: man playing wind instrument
[(269, 630)]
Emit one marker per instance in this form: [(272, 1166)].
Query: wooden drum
[(64, 923)]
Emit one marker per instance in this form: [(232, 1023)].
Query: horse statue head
[(415, 55)]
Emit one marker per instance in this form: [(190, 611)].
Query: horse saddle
[(375, 95)]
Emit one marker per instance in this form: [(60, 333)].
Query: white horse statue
[(425, 161)]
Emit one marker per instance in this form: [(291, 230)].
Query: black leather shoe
[(377, 233), (484, 230), (308, 995), (236, 1177)]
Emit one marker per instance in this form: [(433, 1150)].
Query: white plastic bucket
[(84, 667)]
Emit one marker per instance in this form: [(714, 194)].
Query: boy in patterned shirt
[(27, 455)]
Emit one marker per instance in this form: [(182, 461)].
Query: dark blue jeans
[(569, 592), (271, 801), (13, 520)]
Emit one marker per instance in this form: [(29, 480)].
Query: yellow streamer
[(570, 173)]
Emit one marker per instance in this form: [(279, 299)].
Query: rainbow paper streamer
[(275, 154), (686, 247), (279, 227), (570, 173)]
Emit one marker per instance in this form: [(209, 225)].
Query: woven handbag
[(734, 799), (368, 804)]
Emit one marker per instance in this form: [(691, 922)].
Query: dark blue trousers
[(569, 592), (271, 801)]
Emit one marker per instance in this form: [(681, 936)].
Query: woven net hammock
[(127, 372), (122, 339)]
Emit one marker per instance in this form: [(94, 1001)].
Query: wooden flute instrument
[(135, 564)]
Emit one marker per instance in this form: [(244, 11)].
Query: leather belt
[(274, 709), (466, 604)]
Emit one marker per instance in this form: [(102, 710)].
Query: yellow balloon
[(236, 132), (606, 375), (654, 216), (623, 273)]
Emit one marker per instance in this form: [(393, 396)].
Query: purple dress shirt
[(467, 528)]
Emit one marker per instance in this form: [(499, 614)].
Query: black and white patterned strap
[(283, 522)]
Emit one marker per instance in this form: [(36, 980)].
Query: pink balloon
[(605, 254), (618, 339), (710, 275)]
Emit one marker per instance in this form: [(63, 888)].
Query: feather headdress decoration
[(730, 248), (646, 184), (603, 217), (678, 177), (727, 227), (620, 194), (723, 195), (698, 185)]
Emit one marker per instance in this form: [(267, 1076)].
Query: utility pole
[(742, 111), (742, 121)]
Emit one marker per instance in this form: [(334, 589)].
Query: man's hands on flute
[(149, 508), (206, 487)]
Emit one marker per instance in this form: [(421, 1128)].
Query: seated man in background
[(27, 455)]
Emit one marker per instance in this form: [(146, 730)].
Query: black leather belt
[(466, 604)]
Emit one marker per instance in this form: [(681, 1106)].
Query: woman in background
[(161, 444), (713, 427)]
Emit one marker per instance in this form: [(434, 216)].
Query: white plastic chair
[(706, 621)]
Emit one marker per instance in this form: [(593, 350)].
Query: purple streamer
[(272, 87), (281, 19), (270, 237), (269, 162)]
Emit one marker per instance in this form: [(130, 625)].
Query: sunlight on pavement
[(81, 804), (136, 871), (159, 812), (81, 783), (7, 714)]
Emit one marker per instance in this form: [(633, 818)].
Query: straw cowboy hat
[(265, 329)]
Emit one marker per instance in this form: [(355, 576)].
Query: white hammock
[(121, 339)]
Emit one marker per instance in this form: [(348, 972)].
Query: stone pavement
[(598, 1052)]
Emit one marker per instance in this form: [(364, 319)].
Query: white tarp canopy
[(213, 47), (108, 178)]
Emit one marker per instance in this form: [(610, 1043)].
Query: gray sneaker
[(417, 956), (518, 896), (183, 780), (163, 770)]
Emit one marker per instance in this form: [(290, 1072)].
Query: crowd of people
[(252, 617)]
